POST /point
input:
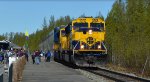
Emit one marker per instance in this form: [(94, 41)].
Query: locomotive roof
[(4, 41)]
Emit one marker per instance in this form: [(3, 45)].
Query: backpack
[(1, 58), (48, 54)]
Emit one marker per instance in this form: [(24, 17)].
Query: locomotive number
[(94, 20), (82, 20)]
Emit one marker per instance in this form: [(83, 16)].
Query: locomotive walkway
[(51, 72)]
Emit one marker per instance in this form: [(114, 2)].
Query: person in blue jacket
[(2, 56), (48, 56)]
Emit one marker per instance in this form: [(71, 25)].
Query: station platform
[(51, 72)]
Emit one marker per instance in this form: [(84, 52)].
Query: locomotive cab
[(63, 46)]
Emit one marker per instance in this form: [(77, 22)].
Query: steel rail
[(116, 76)]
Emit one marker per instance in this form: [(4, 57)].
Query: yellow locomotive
[(60, 46), (85, 41), (81, 42)]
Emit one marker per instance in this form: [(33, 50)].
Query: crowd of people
[(5, 54), (37, 55)]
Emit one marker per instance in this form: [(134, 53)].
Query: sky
[(19, 16)]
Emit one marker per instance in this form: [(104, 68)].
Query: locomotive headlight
[(90, 31), (82, 46), (99, 46)]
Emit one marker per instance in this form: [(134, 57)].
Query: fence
[(1, 73), (10, 73), (16, 69)]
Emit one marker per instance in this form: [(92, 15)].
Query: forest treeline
[(128, 34), (18, 38), (37, 37)]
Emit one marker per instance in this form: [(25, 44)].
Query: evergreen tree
[(100, 15), (82, 16), (2, 37), (127, 33), (115, 27)]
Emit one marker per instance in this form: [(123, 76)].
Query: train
[(7, 45), (4, 45), (81, 42), (47, 43)]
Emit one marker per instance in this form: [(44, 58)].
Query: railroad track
[(112, 75), (116, 76)]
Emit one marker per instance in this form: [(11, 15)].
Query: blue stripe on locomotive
[(77, 44), (56, 34)]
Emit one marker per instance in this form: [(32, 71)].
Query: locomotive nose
[(90, 40)]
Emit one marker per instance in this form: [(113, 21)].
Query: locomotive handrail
[(74, 48), (75, 45), (104, 47)]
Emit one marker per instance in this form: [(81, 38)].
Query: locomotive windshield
[(80, 24), (63, 33), (4, 45), (99, 25)]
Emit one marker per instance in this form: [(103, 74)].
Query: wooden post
[(145, 65), (18, 67)]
